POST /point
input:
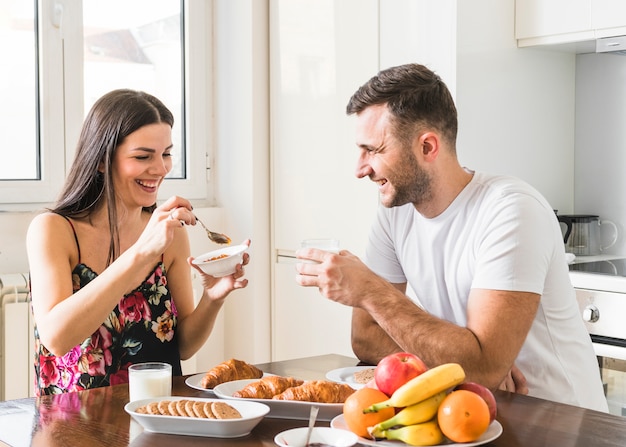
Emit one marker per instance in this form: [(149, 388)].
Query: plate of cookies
[(180, 415), (355, 376)]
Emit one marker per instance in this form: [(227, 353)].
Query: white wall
[(516, 106), (13, 227), (601, 142), (241, 130)]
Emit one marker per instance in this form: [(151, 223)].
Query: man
[(483, 256)]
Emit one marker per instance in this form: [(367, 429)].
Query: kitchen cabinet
[(321, 51), (541, 22), (319, 54), (609, 18), (305, 322), (541, 18)]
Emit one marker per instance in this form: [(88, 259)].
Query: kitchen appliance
[(582, 234), (601, 294)]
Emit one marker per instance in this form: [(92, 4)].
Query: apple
[(483, 392), (396, 369), (371, 384)]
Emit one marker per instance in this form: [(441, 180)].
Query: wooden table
[(97, 418)]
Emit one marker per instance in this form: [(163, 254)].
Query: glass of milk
[(331, 245), (153, 379)]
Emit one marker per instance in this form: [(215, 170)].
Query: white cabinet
[(546, 22), (609, 17), (321, 51), (542, 18), (303, 322)]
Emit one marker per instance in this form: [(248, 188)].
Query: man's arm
[(497, 321), (497, 325)]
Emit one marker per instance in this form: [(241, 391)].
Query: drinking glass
[(152, 379)]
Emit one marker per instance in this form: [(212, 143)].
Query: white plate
[(251, 414), (285, 409), (195, 382), (324, 435), (346, 375), (493, 432)]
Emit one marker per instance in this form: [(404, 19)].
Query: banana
[(414, 414), (426, 433), (427, 384)]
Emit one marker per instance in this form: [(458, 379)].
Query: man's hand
[(514, 382)]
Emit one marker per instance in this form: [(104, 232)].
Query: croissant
[(267, 387), (321, 391), (229, 370)]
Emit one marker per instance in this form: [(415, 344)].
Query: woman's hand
[(218, 288), (166, 219)]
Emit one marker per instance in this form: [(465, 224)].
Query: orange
[(463, 416), (353, 407)]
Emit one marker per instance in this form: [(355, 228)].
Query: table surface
[(97, 418)]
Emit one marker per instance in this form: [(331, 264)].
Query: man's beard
[(411, 183)]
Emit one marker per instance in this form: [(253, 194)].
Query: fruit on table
[(415, 414), (427, 384), (463, 416), (483, 392), (426, 433), (357, 421), (396, 369)]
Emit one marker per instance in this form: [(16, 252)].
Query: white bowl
[(251, 414), (221, 262), (334, 437)]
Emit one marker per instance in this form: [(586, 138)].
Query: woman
[(110, 277)]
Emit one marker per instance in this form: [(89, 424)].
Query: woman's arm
[(196, 323), (65, 319)]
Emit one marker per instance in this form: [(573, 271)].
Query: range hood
[(616, 45)]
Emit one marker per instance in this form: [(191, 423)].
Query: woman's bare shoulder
[(47, 219), (48, 224)]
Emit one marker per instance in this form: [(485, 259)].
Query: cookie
[(198, 409), (172, 408), (163, 407), (180, 406), (189, 408), (153, 408), (142, 410), (207, 411), (222, 410)]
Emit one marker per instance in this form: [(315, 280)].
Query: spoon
[(312, 418), (218, 238)]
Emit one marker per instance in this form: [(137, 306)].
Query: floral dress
[(141, 328)]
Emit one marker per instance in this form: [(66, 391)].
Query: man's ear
[(101, 167), (429, 144)]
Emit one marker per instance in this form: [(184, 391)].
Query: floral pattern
[(141, 328)]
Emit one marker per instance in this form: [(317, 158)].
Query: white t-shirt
[(500, 234)]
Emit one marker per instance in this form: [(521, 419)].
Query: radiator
[(16, 338)]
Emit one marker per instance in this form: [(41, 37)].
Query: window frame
[(60, 60)]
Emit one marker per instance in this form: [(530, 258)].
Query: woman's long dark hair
[(111, 119)]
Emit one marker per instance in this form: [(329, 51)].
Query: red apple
[(483, 392), (397, 369)]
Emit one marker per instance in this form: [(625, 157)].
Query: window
[(68, 53), (18, 28)]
